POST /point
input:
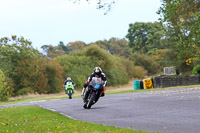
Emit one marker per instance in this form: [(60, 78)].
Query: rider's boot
[(103, 94)]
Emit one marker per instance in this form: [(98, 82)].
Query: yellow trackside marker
[(148, 83)]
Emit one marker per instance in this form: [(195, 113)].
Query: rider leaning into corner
[(99, 74)]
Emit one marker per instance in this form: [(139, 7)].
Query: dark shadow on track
[(92, 108)]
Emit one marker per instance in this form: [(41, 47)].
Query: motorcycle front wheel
[(91, 101), (70, 94)]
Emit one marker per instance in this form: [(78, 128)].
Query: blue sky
[(45, 22)]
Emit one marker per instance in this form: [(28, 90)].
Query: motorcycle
[(69, 89), (94, 91)]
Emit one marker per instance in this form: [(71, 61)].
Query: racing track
[(170, 111)]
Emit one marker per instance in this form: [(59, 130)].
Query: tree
[(144, 37), (76, 66), (39, 75), (115, 46), (147, 62), (76, 46), (182, 21), (52, 51), (61, 49), (81, 64), (102, 4), (4, 87), (66, 49), (13, 50), (99, 57)]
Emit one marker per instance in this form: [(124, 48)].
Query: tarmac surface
[(166, 111)]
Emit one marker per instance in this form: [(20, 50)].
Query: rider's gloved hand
[(86, 84)]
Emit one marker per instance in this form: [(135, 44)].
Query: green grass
[(35, 119), (28, 99), (30, 119), (78, 95)]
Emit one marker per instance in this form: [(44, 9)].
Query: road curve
[(170, 111)]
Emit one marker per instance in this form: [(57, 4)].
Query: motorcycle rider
[(69, 80), (99, 74)]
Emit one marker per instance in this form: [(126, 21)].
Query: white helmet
[(68, 78), (97, 70)]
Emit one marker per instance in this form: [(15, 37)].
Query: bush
[(99, 57), (24, 91), (43, 76), (54, 74), (139, 72), (4, 87), (80, 65), (196, 70), (132, 70), (77, 67), (116, 76), (147, 62)]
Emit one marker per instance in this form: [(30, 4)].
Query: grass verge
[(32, 119), (78, 94), (38, 98)]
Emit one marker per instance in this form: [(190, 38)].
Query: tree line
[(145, 50)]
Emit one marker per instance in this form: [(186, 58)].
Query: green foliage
[(4, 88), (117, 76), (29, 74), (77, 67), (115, 72), (115, 46), (54, 74), (41, 76), (61, 49), (164, 57), (35, 119), (132, 70), (197, 61), (139, 72), (76, 46), (20, 62), (147, 62), (144, 37), (52, 51), (24, 91), (99, 57), (181, 21), (160, 55), (66, 49), (80, 65), (196, 70), (12, 51)]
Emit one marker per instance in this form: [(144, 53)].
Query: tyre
[(70, 94), (85, 105), (91, 101)]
